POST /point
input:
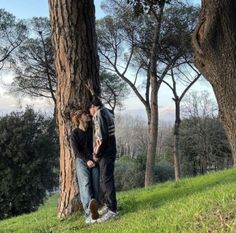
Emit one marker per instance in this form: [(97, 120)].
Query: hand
[(97, 145), (90, 164)]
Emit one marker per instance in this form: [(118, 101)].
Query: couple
[(95, 151)]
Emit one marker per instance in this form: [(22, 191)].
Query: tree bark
[(153, 122), (214, 43), (76, 61), (177, 100), (152, 133), (154, 87), (176, 140)]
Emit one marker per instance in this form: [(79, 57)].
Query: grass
[(202, 204)]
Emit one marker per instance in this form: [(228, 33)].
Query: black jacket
[(82, 143), (104, 131)]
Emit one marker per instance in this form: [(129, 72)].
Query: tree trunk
[(153, 115), (152, 134), (214, 42), (76, 61), (154, 86), (176, 140)]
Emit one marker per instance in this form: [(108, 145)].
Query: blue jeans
[(88, 179)]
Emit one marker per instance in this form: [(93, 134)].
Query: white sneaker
[(109, 215), (103, 210), (89, 220)]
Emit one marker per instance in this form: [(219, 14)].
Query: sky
[(24, 9)]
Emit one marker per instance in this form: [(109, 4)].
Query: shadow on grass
[(154, 197)]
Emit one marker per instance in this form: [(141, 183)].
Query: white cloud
[(9, 103)]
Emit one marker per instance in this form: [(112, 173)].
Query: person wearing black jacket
[(87, 168), (104, 152)]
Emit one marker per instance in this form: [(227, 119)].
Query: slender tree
[(146, 46), (76, 61), (214, 43), (141, 37), (188, 82), (182, 21)]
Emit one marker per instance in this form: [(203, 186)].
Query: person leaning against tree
[(87, 169), (104, 153)]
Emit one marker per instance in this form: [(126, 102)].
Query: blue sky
[(34, 8), (30, 8), (24, 9)]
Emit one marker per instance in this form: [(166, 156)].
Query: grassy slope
[(201, 204)]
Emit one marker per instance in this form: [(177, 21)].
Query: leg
[(96, 183), (84, 180), (107, 181)]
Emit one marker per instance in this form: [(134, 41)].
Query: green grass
[(202, 204)]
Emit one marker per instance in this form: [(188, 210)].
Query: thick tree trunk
[(76, 60), (176, 140), (214, 42)]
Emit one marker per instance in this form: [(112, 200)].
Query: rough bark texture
[(76, 60), (214, 42)]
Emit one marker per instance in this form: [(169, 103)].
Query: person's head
[(80, 118), (95, 104)]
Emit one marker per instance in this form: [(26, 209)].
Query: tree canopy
[(12, 34)]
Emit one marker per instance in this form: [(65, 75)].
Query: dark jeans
[(107, 182), (88, 179)]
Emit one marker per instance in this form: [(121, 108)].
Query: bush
[(28, 161), (128, 174), (164, 171)]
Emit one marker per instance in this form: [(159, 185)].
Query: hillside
[(202, 204)]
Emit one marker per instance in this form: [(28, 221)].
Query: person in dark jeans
[(87, 168), (104, 152)]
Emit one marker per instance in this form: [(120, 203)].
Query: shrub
[(28, 161), (164, 171), (128, 174)]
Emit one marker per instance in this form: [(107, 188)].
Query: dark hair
[(96, 101)]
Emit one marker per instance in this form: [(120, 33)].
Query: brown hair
[(76, 116)]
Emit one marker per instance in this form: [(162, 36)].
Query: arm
[(77, 148), (101, 133)]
